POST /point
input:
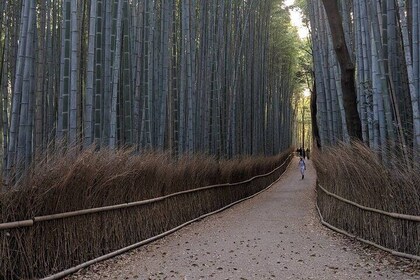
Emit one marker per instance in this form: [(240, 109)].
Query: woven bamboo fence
[(396, 233), (45, 245)]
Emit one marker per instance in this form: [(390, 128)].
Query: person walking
[(302, 167)]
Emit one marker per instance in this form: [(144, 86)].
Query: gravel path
[(276, 235)]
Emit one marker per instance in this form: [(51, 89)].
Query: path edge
[(118, 252)]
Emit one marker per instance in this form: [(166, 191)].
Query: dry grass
[(355, 173), (70, 181), (94, 179)]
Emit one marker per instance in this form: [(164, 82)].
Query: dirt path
[(275, 235)]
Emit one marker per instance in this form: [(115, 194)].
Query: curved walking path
[(276, 235)]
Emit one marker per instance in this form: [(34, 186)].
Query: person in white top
[(302, 167)]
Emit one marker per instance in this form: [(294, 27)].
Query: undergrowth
[(68, 182), (355, 172)]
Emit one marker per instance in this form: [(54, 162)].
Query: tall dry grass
[(356, 173), (71, 181), (66, 182)]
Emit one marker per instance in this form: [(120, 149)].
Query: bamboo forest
[(378, 43), (124, 120), (184, 76)]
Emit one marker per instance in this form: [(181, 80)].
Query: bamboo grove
[(382, 37), (213, 77)]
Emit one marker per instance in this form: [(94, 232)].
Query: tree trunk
[(347, 69), (315, 129), (115, 79), (74, 74), (413, 90), (88, 124), (17, 90)]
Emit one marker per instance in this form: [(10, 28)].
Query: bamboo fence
[(398, 234), (45, 245)]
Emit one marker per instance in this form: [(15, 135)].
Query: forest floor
[(276, 235)]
